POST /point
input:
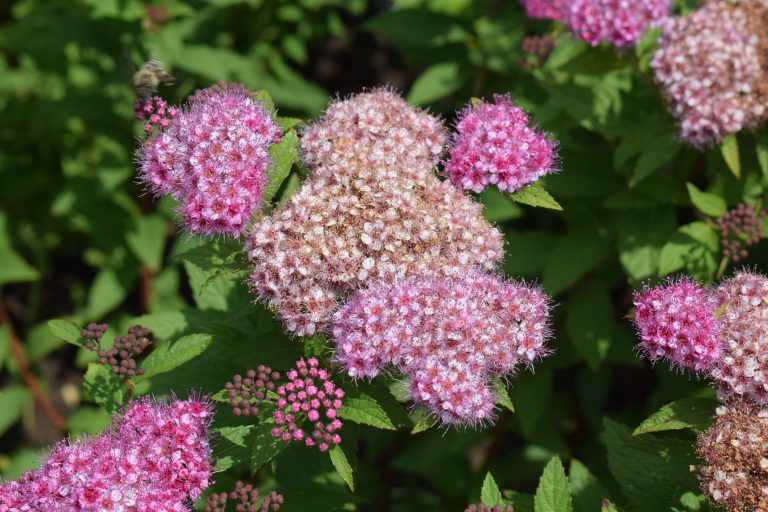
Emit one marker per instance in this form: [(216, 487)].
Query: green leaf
[(607, 506), (653, 473), (340, 462), (693, 413), (707, 203), (265, 446), (692, 248), (283, 155), (104, 387), (573, 255), (173, 354), (498, 207), (553, 493), (147, 240), (640, 247), (67, 331), (435, 83), (535, 195), (729, 148), (589, 322), (426, 421), (12, 401), (108, 290), (502, 394), (13, 268), (490, 494), (366, 411), (586, 490), (761, 148), (87, 419), (238, 435)]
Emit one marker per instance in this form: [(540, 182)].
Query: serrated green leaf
[(692, 413), (104, 387), (490, 494), (498, 207), (535, 195), (729, 148), (708, 204), (67, 331), (265, 446), (109, 289), (283, 155), (502, 394), (607, 506), (11, 402), (238, 435), (366, 411), (692, 248), (173, 354), (553, 493), (341, 464), (286, 123), (426, 421)]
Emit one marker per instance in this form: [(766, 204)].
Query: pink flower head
[(155, 112), (677, 322), (449, 336), (213, 159), (742, 371), (710, 71), (294, 408), (155, 457), (494, 144), (620, 23), (546, 9), (373, 209)]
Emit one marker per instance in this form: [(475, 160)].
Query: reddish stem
[(17, 351), (146, 288)]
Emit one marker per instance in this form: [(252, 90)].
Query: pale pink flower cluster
[(709, 67), (494, 145), (213, 159), (311, 395), (677, 322), (372, 209), (546, 9), (620, 23), (448, 336), (742, 371), (154, 458)]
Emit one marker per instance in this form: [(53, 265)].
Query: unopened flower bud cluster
[(246, 499), (121, 356)]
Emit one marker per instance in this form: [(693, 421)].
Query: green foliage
[(80, 241)]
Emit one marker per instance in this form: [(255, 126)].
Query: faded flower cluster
[(213, 159), (740, 228), (449, 336), (155, 457), (372, 209), (711, 66)]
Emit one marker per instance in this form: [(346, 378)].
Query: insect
[(149, 76)]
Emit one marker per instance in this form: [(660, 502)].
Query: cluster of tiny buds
[(740, 228), (247, 499), (308, 393), (489, 508), (121, 357), (245, 393), (155, 111), (537, 50)]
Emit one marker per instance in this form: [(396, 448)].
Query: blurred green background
[(80, 239)]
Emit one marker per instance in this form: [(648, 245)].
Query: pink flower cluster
[(743, 368), (722, 332), (213, 159), (546, 9), (309, 394), (620, 23), (449, 336), (677, 322), (156, 457), (710, 70), (494, 145), (155, 111), (372, 209), (740, 228)]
